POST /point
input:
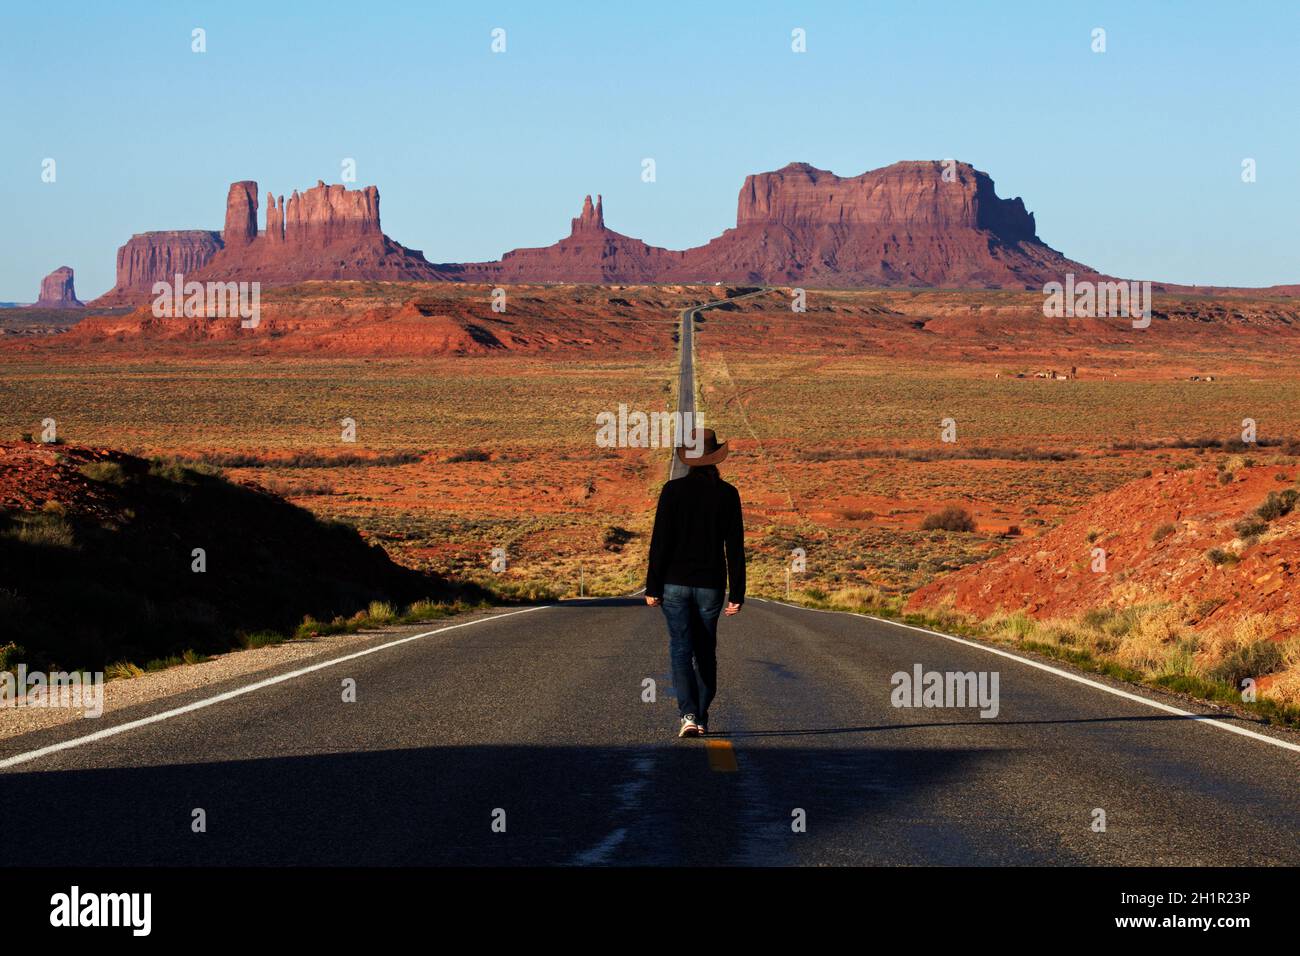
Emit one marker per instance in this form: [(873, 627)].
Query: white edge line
[(1206, 719), (240, 691)]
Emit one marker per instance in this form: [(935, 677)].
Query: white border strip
[(240, 691), (1206, 719)]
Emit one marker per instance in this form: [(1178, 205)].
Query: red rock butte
[(936, 224), (58, 290), (325, 232), (591, 252), (928, 223)]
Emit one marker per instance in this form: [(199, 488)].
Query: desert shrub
[(1205, 607), (1277, 505), (1180, 661), (253, 639), (380, 612), (1285, 688), (214, 462), (1218, 556), (1148, 644), (1162, 532), (1015, 626), (469, 454), (864, 598), (122, 670), (616, 537), (290, 489), (1224, 641), (108, 472), (1251, 660), (1096, 617), (170, 469), (44, 529), (1291, 653), (427, 611), (1065, 634), (951, 518), (936, 454), (11, 655), (1250, 526)]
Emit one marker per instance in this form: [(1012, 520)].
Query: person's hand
[(732, 609), (653, 602)]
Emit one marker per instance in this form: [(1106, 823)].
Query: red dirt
[(346, 318), (1052, 576), (33, 474)]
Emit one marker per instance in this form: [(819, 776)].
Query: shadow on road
[(435, 806)]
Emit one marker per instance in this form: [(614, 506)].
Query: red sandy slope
[(1052, 576)]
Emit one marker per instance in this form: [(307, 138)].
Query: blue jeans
[(692, 615)]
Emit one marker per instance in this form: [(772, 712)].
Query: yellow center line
[(722, 757)]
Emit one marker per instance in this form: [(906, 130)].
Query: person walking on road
[(696, 550)]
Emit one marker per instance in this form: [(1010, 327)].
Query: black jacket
[(698, 518)]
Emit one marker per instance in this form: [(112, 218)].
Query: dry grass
[(1157, 644)]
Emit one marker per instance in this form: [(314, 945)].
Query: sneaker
[(689, 727), (704, 728)]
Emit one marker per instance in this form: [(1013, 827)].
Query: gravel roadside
[(155, 685)]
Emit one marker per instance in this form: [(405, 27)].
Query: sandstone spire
[(591, 219), (274, 219), (241, 214)]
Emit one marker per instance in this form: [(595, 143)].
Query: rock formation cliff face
[(327, 214), (936, 224), (57, 290), (325, 232), (915, 195), (590, 253), (150, 257), (910, 224), (913, 223)]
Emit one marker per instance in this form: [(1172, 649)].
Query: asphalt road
[(542, 715), (686, 377)]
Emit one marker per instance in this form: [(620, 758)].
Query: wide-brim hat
[(704, 449)]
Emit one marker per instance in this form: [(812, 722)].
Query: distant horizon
[(1130, 159)]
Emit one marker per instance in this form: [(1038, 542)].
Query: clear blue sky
[(1131, 159)]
